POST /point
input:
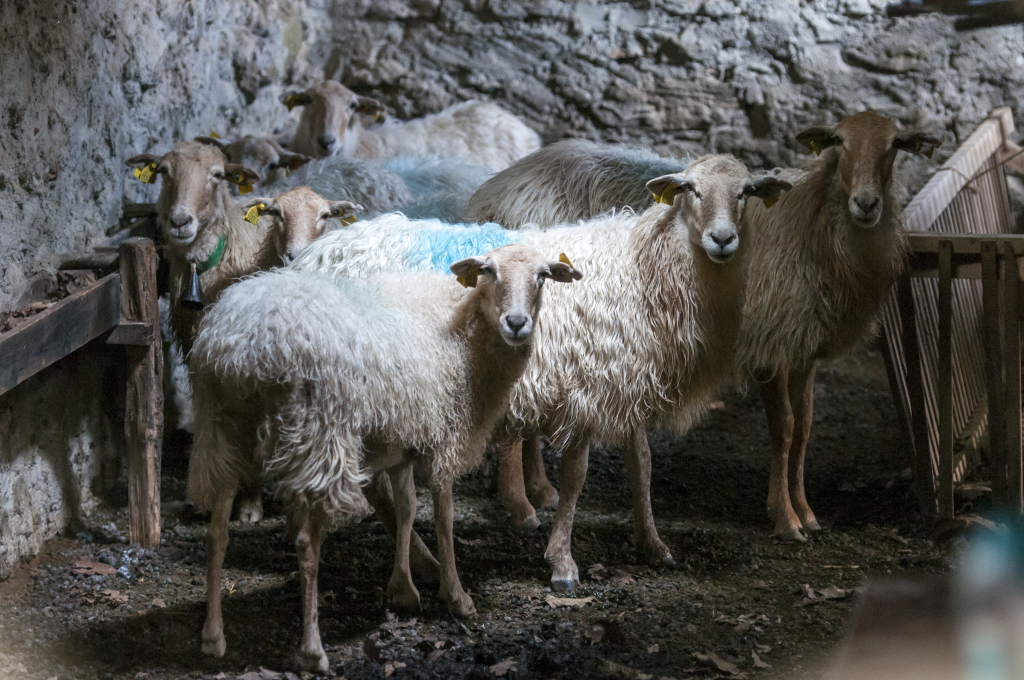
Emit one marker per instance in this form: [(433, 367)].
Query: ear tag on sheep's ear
[(147, 173), (347, 220), (769, 202), (666, 196), (291, 101), (244, 186), (253, 214), (468, 280), (562, 257), (214, 135)]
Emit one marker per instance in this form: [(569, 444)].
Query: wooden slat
[(1011, 396), (53, 334), (135, 333), (945, 380), (915, 388), (963, 244), (92, 260), (994, 370)]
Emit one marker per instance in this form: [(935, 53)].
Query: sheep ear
[(818, 138), (369, 107), (146, 170), (916, 142), (666, 188), (344, 211), (467, 270), (293, 99), (212, 141), (563, 271), (769, 189), (291, 161), (240, 175), (144, 159)]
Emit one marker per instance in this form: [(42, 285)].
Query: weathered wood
[(922, 458), (132, 333), (51, 335), (104, 261), (1012, 394), (994, 369), (131, 211), (964, 244), (945, 380), (143, 422)]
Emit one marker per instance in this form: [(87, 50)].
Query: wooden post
[(945, 386), (1011, 398), (994, 370), (144, 399), (922, 457)]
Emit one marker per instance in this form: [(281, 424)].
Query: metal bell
[(192, 296)]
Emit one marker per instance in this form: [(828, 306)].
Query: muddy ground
[(735, 604)]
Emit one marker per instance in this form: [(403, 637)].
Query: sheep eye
[(352, 106), (272, 166), (325, 216), (486, 269), (219, 174)]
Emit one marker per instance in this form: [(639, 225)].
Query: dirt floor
[(736, 605)]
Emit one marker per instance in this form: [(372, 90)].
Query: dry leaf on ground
[(371, 647), (556, 602), (718, 662), (612, 668), (158, 603), (757, 661), (653, 649), (90, 568), (506, 666)]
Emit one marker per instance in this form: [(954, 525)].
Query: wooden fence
[(952, 326)]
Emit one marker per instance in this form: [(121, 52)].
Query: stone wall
[(87, 84)]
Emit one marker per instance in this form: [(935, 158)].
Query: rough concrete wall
[(87, 84)]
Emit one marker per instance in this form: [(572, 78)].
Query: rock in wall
[(87, 84)]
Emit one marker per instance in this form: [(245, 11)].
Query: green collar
[(211, 262)]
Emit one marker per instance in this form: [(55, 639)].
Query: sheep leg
[(538, 488), (216, 546), (250, 503), (777, 407), (564, 574), (459, 603), (801, 396), (511, 487), (404, 595), (378, 493), (645, 534), (311, 523)]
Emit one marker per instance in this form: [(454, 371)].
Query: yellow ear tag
[(562, 257), (379, 117), (348, 220), (667, 196), (462, 280), (769, 202), (245, 188), (146, 173), (815, 147), (253, 214), (215, 135), (928, 153), (291, 101)]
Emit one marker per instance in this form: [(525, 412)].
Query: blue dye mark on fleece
[(438, 247)]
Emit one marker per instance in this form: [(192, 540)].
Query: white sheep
[(318, 381), (646, 339), (820, 265), (336, 121), (264, 156), (569, 181)]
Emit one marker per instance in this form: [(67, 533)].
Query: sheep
[(329, 379), (262, 155), (820, 265), (333, 122), (568, 181), (645, 339)]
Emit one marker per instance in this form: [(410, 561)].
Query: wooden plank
[(51, 335), (945, 380), (132, 333), (1011, 396), (143, 421), (992, 336), (922, 459), (93, 260), (964, 244)]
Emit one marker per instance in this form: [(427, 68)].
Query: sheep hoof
[(425, 567), (530, 523), (545, 497), (564, 585), (250, 511), (462, 607), (215, 646), (314, 661), (790, 535), (406, 601), (811, 525)]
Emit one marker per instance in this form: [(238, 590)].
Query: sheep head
[(195, 188), (330, 110), (708, 199), (299, 217), (865, 146), (509, 282), (263, 155)]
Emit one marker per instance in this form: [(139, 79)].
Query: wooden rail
[(952, 325), (123, 306)]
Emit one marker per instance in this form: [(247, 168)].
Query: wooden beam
[(51, 335), (924, 479), (945, 379), (103, 261), (1011, 397), (963, 244), (131, 333), (992, 336), (143, 421)]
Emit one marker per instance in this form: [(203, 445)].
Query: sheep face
[(508, 283), (330, 110), (299, 216), (260, 154), (708, 199), (865, 145), (195, 189)]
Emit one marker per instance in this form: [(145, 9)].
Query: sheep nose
[(515, 322), (327, 140), (180, 218), (867, 204), (723, 240)]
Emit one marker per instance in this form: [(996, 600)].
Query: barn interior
[(902, 470)]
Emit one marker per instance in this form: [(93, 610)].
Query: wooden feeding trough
[(120, 309), (952, 325)]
